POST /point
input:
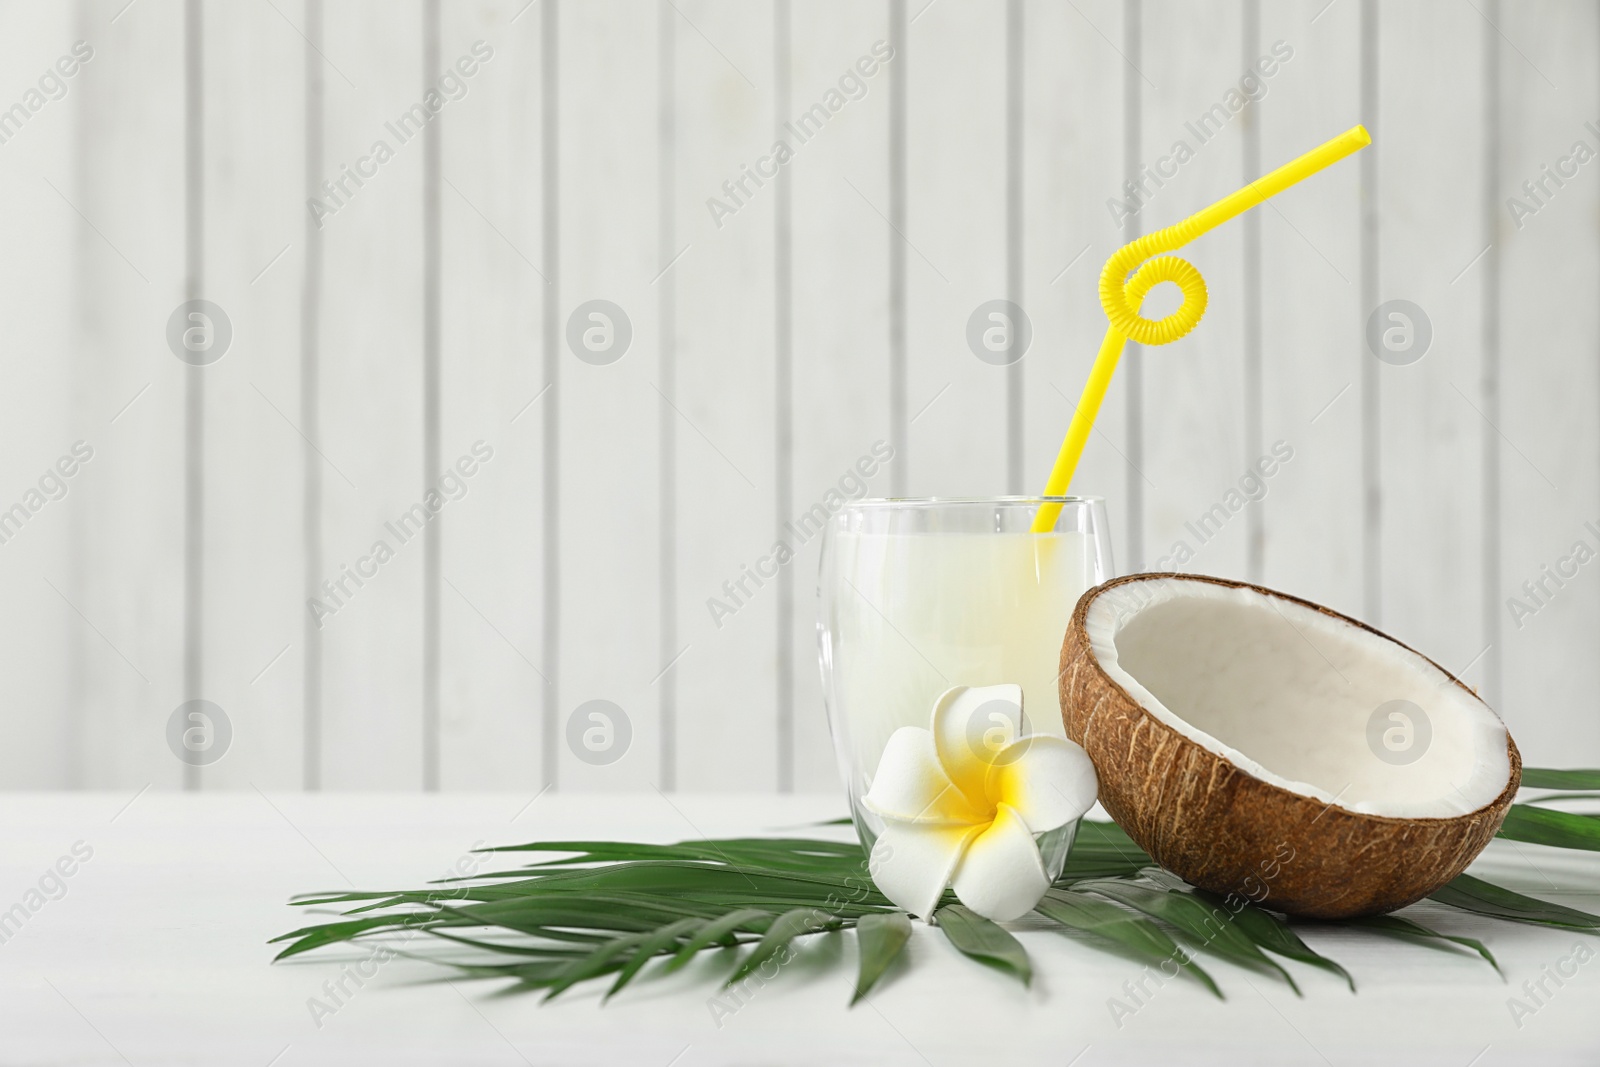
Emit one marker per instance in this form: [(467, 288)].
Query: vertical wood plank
[(1371, 30), (841, 370), (609, 399), (667, 374), (253, 154), (899, 91), (1548, 439), (727, 730), (1311, 345), (126, 218), (1016, 162), (1073, 172), (955, 237), (194, 389), (431, 466), (1136, 481), (1430, 493), (49, 400), (315, 76), (1193, 388), (550, 356), (494, 677), (372, 415)]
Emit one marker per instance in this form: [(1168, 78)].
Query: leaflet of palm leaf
[(606, 909)]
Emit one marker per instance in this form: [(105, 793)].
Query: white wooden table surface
[(155, 954)]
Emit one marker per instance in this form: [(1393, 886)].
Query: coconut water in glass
[(917, 596)]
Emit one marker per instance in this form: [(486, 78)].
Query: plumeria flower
[(962, 801)]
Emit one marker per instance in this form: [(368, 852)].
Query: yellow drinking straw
[(1123, 296)]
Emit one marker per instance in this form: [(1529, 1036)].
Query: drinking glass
[(917, 596)]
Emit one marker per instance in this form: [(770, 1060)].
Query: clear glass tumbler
[(917, 596)]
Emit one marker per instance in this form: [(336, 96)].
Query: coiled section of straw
[(1121, 295)]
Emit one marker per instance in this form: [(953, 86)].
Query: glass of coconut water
[(918, 596)]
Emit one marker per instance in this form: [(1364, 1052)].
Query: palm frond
[(1549, 778), (576, 911), (1547, 826), (1473, 894)]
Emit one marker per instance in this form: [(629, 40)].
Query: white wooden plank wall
[(840, 386), (494, 680), (764, 324), (1548, 378), (1418, 430)]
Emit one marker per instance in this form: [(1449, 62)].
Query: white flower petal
[(911, 862), (911, 786), (971, 726), (1002, 876), (1048, 780)]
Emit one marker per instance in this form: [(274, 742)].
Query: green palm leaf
[(1103, 850), (880, 939), (659, 942), (1486, 898), (796, 854), (1545, 778), (1259, 925), (528, 975), (616, 912), (1209, 925), (1547, 826), (556, 952), (784, 929), (1135, 933), (307, 938), (602, 959), (721, 931), (1551, 797), (987, 942), (1416, 933)]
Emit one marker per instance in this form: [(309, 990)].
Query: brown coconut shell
[(1222, 829)]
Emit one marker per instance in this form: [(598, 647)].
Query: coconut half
[(1258, 744)]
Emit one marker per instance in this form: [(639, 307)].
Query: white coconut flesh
[(1287, 694)]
